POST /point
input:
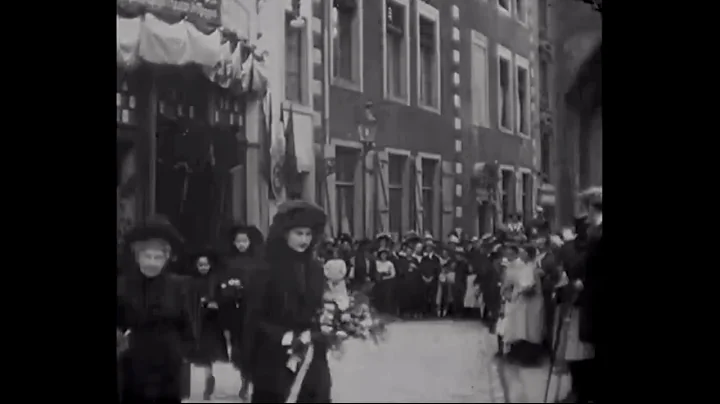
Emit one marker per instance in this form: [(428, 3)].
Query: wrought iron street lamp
[(366, 128)]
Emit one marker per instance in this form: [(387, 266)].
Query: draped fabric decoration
[(182, 32)]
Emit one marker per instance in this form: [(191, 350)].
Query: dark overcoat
[(156, 313), (287, 296)]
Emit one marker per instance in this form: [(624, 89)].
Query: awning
[(180, 32)]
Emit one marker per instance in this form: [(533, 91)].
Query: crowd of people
[(241, 301)]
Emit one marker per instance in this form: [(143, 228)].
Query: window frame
[(507, 12), (357, 82), (505, 54), (521, 173), (351, 151), (521, 17), (502, 192), (305, 103), (479, 39), (522, 63), (429, 12), (387, 94)]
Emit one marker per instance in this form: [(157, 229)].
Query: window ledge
[(403, 101), (298, 107), (480, 126), (523, 135), (429, 108), (504, 12), (346, 84), (505, 130)]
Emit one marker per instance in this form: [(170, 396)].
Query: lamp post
[(366, 127)]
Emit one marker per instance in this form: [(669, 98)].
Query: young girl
[(385, 281), (211, 345), (335, 272), (524, 315), (241, 263), (446, 282)]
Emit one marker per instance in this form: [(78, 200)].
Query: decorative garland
[(127, 9)]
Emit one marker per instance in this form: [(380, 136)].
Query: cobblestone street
[(424, 361)]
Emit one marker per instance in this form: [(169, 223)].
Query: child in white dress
[(335, 273)]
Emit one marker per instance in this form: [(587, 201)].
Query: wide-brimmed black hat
[(297, 213), (155, 227), (382, 250), (254, 234)]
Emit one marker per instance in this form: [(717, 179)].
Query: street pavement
[(441, 361)]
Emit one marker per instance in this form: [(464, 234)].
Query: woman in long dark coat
[(211, 345), (282, 308), (153, 319), (241, 262)]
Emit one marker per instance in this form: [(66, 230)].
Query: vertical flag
[(291, 175), (266, 143)]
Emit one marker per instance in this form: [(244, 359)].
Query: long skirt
[(524, 319), (570, 347)]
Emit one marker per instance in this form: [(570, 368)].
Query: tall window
[(543, 67), (522, 109), (505, 93), (346, 162), (396, 168), (428, 60), (506, 188), (345, 40), (520, 11), (428, 193), (396, 50), (294, 61), (543, 14), (480, 88), (527, 191), (545, 147), (505, 6)]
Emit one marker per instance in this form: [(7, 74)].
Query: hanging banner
[(200, 12)]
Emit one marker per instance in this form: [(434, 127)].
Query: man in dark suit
[(590, 297)]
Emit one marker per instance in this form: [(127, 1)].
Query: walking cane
[(556, 344)]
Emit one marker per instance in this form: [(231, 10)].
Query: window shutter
[(330, 199), (448, 197), (383, 192), (419, 225), (407, 220), (370, 178), (438, 207)]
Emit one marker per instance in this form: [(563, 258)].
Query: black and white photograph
[(359, 201)]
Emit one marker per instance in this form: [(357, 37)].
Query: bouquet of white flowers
[(344, 317)]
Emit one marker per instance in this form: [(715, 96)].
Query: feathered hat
[(155, 227), (297, 213), (411, 237), (384, 236)]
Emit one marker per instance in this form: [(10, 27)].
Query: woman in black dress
[(210, 346), (240, 263), (283, 303), (154, 328)]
